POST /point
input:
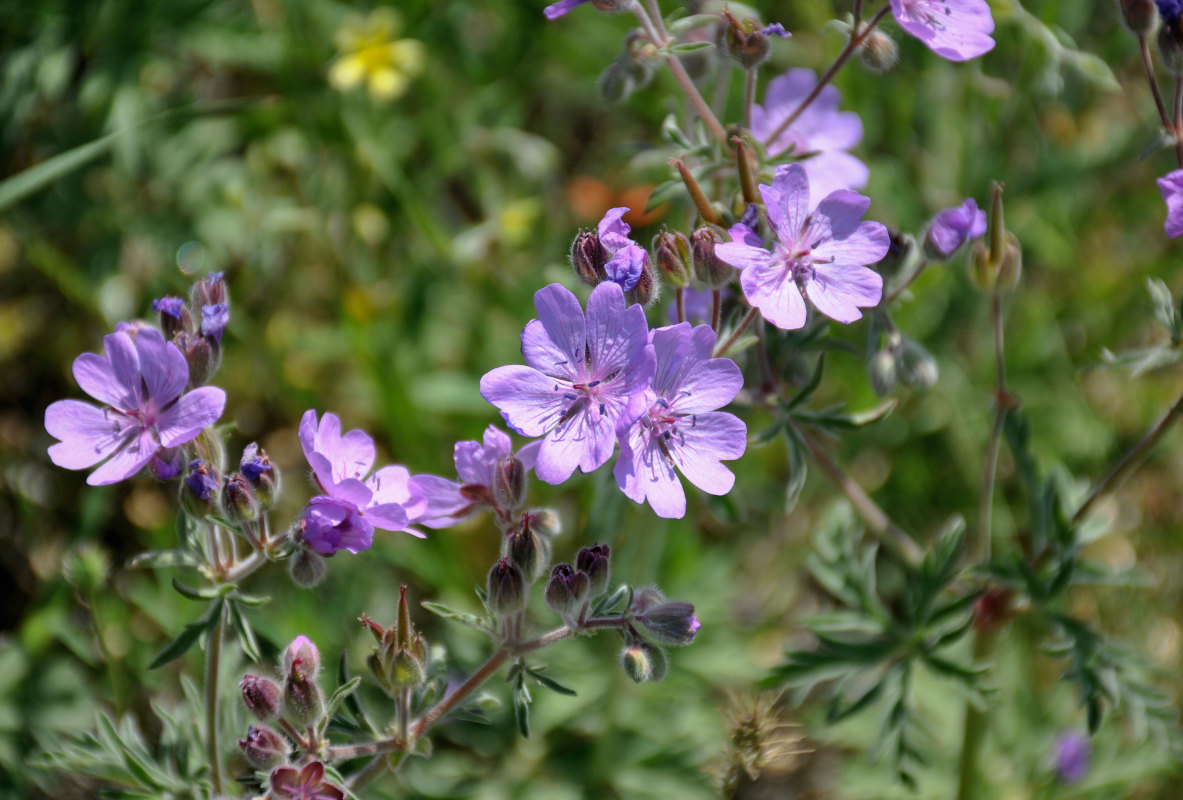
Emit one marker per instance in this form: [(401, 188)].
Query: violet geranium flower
[(581, 374), (953, 226), (449, 502), (1172, 194), (678, 426), (820, 136), (624, 259), (344, 517), (954, 29), (140, 378), (820, 254), (308, 783)]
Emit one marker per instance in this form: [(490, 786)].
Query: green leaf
[(689, 23), (163, 559), (245, 633), (338, 697), (521, 709), (671, 131), (797, 452), (464, 618), (690, 47), (610, 602), (549, 683), (204, 593), (189, 636), (807, 391)]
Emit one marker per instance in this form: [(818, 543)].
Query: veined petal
[(586, 440), (773, 290), (322, 468), (386, 516), (643, 474), (125, 364), (838, 290), (96, 377), (390, 485), (867, 245), (562, 319), (954, 29), (163, 366), (543, 354), (832, 170), (530, 402), (352, 491), (195, 411), (88, 434), (528, 455), (616, 335), (441, 502), (787, 202), (743, 256), (715, 436), (129, 459)]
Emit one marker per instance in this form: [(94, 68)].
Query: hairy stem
[(857, 36), (213, 660), (716, 308), (680, 299), (1002, 404), (749, 98)]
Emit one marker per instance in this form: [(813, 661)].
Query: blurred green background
[(381, 256)]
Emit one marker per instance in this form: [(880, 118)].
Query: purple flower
[(556, 10), (254, 462), (449, 502), (214, 319), (140, 379), (1172, 194), (1072, 756), (624, 259), (169, 305), (352, 505), (1170, 10), (677, 425), (822, 132), (953, 226), (202, 480), (776, 29), (580, 376), (819, 254), (954, 29), (305, 784)]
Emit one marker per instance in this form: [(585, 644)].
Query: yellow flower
[(371, 55)]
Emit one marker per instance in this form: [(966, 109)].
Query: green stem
[(722, 349), (213, 659)]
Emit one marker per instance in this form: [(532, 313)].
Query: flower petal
[(193, 413), (618, 341), (88, 434), (954, 29), (530, 402), (132, 457), (96, 377), (787, 202), (441, 503), (163, 366), (715, 436), (556, 10), (643, 474), (773, 290), (562, 319), (742, 256), (838, 290)]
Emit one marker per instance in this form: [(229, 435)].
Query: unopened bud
[(238, 496), (509, 482), (1139, 15), (708, 267), (616, 81), (263, 476), (643, 661), (303, 701), (878, 51), (594, 562), (261, 696), (566, 591), (748, 45), (917, 367), (202, 357), (306, 568), (672, 253), (645, 599), (882, 371), (544, 522), (587, 258), (174, 316), (210, 290), (200, 489), (263, 747), (506, 588), (527, 550), (302, 654), (670, 623), (647, 288)]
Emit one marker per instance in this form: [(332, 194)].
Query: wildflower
[(140, 378), (581, 374), (819, 255), (953, 226), (308, 783), (678, 426), (954, 29), (352, 505), (556, 10), (820, 136), (1072, 756), (1172, 194), (371, 55)]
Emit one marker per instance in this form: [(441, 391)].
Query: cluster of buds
[(902, 361), (296, 702), (656, 622), (242, 495), (608, 254), (571, 588), (399, 660), (200, 340), (525, 555)]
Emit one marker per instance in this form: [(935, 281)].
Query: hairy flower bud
[(670, 623), (708, 268), (509, 482), (878, 51), (302, 654), (672, 253), (261, 696), (593, 561), (202, 357), (263, 747), (1138, 15), (303, 701), (210, 290), (200, 489), (544, 522), (306, 568), (997, 267), (644, 661), (587, 258), (239, 498), (647, 288), (748, 45), (174, 316), (527, 550), (916, 366), (263, 476), (506, 588), (566, 591), (881, 369)]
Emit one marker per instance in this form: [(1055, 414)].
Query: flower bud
[(878, 51), (400, 660), (748, 45), (506, 588), (210, 290), (672, 251), (1138, 15), (611, 6), (670, 623), (616, 81), (201, 489), (202, 357), (261, 696), (1073, 751), (647, 289), (263, 747), (643, 661), (302, 654), (527, 550), (509, 482), (1001, 276), (239, 498), (303, 701), (566, 591), (587, 258), (593, 561), (882, 371), (646, 599), (214, 320), (708, 267), (306, 568), (544, 522), (917, 367), (174, 316), (263, 476)]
